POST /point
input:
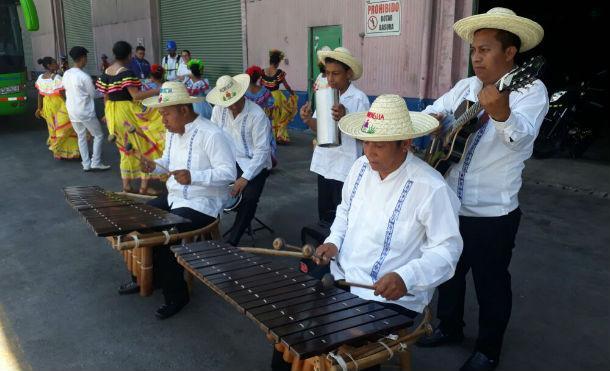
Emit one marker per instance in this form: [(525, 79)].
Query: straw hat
[(530, 32), (229, 89), (325, 48), (387, 120), (171, 94), (345, 56)]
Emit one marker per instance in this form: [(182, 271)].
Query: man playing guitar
[(487, 177)]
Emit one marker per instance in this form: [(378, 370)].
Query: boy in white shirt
[(80, 93)]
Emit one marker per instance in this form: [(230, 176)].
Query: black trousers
[(167, 270), (329, 197), (488, 246), (278, 363), (247, 207)]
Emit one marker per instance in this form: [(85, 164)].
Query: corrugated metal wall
[(393, 64), (210, 29), (127, 20), (78, 29)]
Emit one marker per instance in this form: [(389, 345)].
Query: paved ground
[(59, 308)]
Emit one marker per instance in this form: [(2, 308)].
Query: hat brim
[(215, 97), (352, 62), (529, 32), (422, 124), (153, 102)]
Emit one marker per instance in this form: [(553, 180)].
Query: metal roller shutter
[(210, 29), (78, 29)]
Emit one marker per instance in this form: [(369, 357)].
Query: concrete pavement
[(59, 308)]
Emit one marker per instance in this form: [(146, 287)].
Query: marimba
[(315, 328), (131, 227)]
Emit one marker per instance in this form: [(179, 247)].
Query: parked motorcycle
[(574, 119)]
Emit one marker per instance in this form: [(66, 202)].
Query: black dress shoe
[(129, 288), (439, 337), (168, 310), (479, 362)]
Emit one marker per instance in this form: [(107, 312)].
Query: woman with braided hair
[(284, 109), (62, 140)]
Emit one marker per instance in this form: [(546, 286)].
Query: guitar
[(450, 146)]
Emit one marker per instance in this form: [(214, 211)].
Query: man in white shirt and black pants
[(202, 166), (488, 178), (396, 228), (80, 93), (332, 164), (248, 129)]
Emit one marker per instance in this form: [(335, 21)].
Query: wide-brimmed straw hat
[(345, 56), (530, 32), (229, 89), (171, 94), (388, 119), (325, 48)]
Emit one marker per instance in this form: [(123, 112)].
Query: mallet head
[(308, 251), (279, 243), (328, 281)]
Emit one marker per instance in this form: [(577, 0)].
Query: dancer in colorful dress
[(262, 96), (62, 139), (284, 108), (198, 86), (128, 122)]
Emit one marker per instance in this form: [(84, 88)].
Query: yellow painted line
[(9, 361)]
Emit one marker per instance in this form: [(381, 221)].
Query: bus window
[(11, 50)]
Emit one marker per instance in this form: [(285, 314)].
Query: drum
[(327, 131)]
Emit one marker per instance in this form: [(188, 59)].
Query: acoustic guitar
[(450, 146)]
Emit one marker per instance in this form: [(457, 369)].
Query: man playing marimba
[(249, 130), (202, 166), (397, 225)]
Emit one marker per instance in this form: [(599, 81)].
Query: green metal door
[(318, 37), (210, 29), (79, 31)]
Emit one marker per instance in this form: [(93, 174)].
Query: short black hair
[(121, 50), (77, 52), (508, 39), (332, 60), (322, 67), (195, 70), (187, 52), (46, 62), (275, 57), (140, 47)]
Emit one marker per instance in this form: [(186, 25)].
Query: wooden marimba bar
[(305, 321)]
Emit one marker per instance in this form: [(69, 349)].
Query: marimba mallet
[(306, 252), (328, 281), (129, 148), (112, 138), (280, 244)]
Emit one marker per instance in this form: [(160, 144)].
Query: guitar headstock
[(521, 76)]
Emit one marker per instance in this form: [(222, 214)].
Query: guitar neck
[(468, 115)]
